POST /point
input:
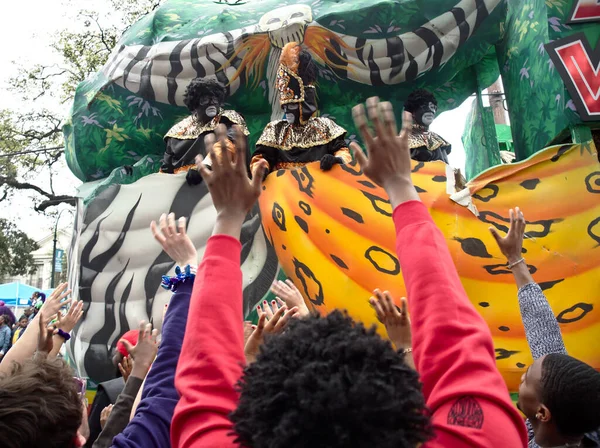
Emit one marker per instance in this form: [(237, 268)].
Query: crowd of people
[(301, 379)]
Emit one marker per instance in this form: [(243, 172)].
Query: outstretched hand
[(67, 322), (271, 320), (144, 352), (46, 332), (175, 240), (292, 297), (233, 192), (388, 161), (56, 300), (511, 245), (396, 321)]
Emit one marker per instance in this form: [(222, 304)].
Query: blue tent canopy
[(16, 293)]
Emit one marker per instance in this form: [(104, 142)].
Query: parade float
[(331, 231)]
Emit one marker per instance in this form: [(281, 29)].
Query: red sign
[(585, 11), (579, 68)]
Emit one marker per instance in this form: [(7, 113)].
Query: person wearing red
[(467, 402)]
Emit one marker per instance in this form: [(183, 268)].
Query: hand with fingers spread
[(292, 297), (144, 352), (56, 300), (233, 192), (396, 321), (271, 320), (67, 322), (46, 332), (105, 414), (174, 240), (388, 162), (125, 367), (511, 245)]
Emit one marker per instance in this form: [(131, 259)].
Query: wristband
[(172, 283), (512, 265), (63, 334)]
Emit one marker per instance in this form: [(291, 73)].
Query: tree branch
[(52, 198)]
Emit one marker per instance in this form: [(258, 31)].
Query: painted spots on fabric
[(305, 181), (474, 247), (339, 261), (355, 216), (305, 208), (417, 167), (302, 223), (502, 353), (439, 178), (550, 284), (484, 304), (366, 183), (379, 204), (530, 184), (574, 313), (502, 269), (592, 182), (352, 168), (561, 151), (533, 229), (487, 193), (278, 215), (382, 260), (593, 230), (311, 286), (504, 328)]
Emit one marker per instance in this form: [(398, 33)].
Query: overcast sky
[(26, 27)]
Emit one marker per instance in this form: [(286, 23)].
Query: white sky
[(26, 27)]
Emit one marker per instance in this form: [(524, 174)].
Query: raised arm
[(541, 328), (151, 424), (25, 347), (213, 349), (452, 345)]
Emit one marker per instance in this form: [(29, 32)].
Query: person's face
[(28, 312), (23, 323), (292, 112), (425, 114), (208, 107), (529, 402)]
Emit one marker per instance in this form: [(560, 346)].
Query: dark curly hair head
[(417, 98), (570, 389), (39, 405), (307, 70), (200, 87), (329, 381)]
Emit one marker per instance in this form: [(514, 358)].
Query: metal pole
[(52, 281)]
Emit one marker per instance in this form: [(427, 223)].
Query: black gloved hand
[(193, 177), (329, 160)]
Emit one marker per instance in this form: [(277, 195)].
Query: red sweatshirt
[(453, 349)]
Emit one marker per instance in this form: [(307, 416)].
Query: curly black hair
[(571, 390), (417, 98), (198, 87), (307, 69), (330, 382)]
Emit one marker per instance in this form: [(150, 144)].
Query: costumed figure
[(425, 145), (185, 141), (301, 137)]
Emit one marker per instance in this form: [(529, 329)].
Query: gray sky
[(26, 27)]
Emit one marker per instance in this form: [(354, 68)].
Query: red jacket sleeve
[(452, 345), (212, 356)]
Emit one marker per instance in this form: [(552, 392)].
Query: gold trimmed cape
[(190, 128)]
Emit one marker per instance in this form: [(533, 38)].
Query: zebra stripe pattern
[(162, 71)]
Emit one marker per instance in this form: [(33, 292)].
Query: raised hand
[(46, 332), (105, 414), (388, 163), (280, 317), (144, 352), (56, 300), (292, 297), (174, 240), (67, 322), (511, 245), (125, 367), (396, 321), (233, 193)]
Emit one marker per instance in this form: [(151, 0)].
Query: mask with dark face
[(292, 113), (425, 114), (208, 108)]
